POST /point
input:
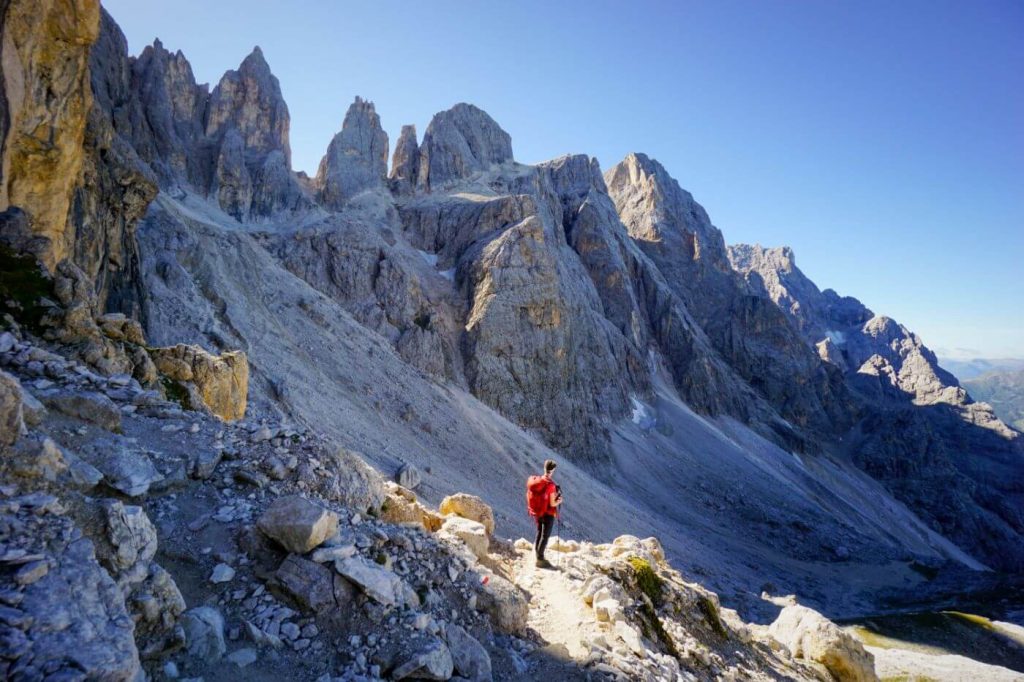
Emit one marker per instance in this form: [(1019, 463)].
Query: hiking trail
[(557, 612)]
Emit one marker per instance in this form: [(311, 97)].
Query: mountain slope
[(474, 315)]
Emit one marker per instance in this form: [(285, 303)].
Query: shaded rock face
[(459, 142), (356, 159), (753, 338), (405, 162), (116, 185), (920, 433)]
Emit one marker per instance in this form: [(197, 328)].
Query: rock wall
[(46, 102)]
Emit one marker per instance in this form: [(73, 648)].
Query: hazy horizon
[(884, 144)]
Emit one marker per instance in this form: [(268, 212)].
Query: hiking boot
[(543, 563)]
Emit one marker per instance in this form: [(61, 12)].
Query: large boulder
[(472, 533), (377, 582), (408, 476), (297, 524), (204, 633), (221, 382), (131, 473), (504, 603), (426, 661), (809, 635), (307, 584), (11, 424), (88, 406), (469, 507), (472, 662)]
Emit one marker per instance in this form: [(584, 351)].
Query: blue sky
[(883, 141)]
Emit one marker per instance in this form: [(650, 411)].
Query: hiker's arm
[(555, 500)]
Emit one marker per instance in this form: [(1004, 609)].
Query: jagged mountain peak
[(357, 157), (405, 163), (459, 142), (250, 100)]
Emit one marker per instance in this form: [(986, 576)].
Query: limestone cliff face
[(231, 144), (116, 185), (405, 163), (45, 106), (752, 336), (356, 159), (249, 100), (920, 433), (459, 142)]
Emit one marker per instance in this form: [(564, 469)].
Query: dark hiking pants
[(544, 525)]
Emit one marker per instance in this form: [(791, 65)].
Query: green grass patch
[(651, 624), (646, 579)]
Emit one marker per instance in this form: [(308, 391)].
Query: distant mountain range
[(971, 368), (1002, 387)]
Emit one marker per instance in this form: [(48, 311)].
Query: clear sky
[(883, 141)]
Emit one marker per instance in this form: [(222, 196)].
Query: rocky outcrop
[(356, 159), (45, 107), (70, 619), (405, 162), (809, 635), (11, 422), (219, 383), (116, 185), (459, 142), (297, 524)]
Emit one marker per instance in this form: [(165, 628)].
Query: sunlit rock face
[(459, 142), (43, 114)]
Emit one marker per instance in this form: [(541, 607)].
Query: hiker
[(543, 498)]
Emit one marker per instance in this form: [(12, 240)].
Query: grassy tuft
[(647, 579), (707, 607)]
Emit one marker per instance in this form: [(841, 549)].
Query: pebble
[(222, 573), (171, 669), (242, 657)]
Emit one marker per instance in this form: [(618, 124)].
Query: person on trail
[(543, 498)]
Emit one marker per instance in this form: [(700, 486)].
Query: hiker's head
[(549, 467)]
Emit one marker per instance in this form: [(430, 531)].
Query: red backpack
[(538, 496)]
